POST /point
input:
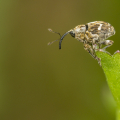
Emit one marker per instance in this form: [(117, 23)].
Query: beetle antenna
[(53, 32), (52, 42), (63, 37)]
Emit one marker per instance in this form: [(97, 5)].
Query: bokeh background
[(41, 82)]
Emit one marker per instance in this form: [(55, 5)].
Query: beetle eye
[(86, 27), (72, 34)]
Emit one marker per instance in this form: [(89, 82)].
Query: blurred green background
[(40, 82)]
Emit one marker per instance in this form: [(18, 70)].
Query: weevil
[(93, 35)]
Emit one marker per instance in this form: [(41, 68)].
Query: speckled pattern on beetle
[(93, 35)]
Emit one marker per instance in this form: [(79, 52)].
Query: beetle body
[(93, 32), (93, 35)]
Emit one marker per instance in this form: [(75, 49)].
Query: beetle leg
[(80, 40), (94, 48), (102, 50), (100, 45), (106, 42), (91, 51)]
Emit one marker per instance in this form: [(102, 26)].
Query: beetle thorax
[(80, 32)]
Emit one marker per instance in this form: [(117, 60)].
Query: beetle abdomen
[(101, 29)]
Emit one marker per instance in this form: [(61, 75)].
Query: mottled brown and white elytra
[(93, 35)]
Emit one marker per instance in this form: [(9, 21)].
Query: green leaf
[(111, 67)]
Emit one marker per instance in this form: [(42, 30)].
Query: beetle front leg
[(91, 51), (80, 40)]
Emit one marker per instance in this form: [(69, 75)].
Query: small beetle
[(93, 35)]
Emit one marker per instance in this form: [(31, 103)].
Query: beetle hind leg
[(106, 42)]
